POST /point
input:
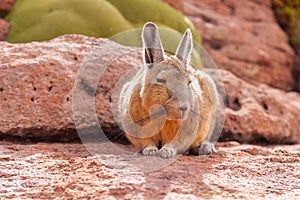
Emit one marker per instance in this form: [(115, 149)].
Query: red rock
[(4, 28), (6, 5), (258, 113), (37, 81), (50, 171), (175, 3), (244, 38)]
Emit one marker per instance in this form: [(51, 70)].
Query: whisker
[(117, 136), (120, 135), (196, 113), (154, 115)]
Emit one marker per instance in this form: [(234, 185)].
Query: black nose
[(183, 108)]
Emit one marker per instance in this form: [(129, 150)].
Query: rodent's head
[(167, 78)]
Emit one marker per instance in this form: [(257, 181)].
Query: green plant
[(140, 11), (287, 13), (37, 20)]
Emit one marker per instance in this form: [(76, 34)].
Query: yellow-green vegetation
[(38, 20), (169, 37), (140, 11), (288, 14)]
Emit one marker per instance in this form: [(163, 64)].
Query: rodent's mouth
[(177, 115)]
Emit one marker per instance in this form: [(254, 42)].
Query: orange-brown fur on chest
[(140, 108)]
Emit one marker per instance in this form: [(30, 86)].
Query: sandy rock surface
[(244, 38), (48, 171), (40, 79)]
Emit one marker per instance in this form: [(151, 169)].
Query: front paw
[(206, 148), (167, 152), (150, 151)]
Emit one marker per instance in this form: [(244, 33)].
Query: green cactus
[(36, 20), (287, 13), (169, 37), (140, 11)]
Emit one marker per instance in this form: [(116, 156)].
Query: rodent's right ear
[(153, 49), (185, 47)]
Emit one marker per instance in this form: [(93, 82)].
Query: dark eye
[(161, 80)]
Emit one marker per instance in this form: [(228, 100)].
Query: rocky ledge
[(38, 84), (51, 171)]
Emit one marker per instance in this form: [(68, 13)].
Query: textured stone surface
[(244, 38), (258, 113), (38, 82), (49, 171)]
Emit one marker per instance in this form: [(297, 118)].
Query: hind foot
[(206, 148)]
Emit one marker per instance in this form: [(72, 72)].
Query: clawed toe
[(167, 152), (206, 148), (150, 151)]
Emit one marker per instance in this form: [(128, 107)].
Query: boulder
[(244, 38), (46, 85), (37, 82), (260, 114)]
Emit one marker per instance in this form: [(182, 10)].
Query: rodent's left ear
[(153, 49), (185, 47)]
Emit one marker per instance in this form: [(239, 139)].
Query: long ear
[(185, 47), (153, 49)]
